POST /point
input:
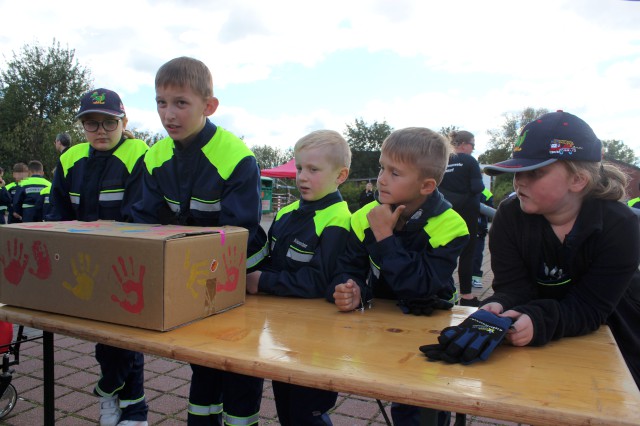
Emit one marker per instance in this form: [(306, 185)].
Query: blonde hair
[(429, 151), (604, 180), (339, 152), (186, 72)]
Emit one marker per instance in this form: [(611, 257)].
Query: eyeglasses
[(108, 125)]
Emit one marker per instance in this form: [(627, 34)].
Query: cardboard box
[(148, 276)]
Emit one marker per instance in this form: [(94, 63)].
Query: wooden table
[(574, 381)]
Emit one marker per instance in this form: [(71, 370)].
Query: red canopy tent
[(286, 170)]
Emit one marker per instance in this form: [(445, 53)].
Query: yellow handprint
[(198, 273), (85, 278)]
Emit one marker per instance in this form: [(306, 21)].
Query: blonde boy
[(405, 246), (203, 175), (305, 240)]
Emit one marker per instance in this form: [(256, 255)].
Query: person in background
[(20, 171), (98, 180), (203, 175), (461, 186), (366, 196), (27, 196), (62, 142), (405, 245), (565, 251), (3, 207), (486, 198), (306, 238)]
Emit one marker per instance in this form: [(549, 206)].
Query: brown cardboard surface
[(148, 276)]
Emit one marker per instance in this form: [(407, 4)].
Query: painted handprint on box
[(42, 259), (85, 277), (15, 262), (232, 261), (132, 287)]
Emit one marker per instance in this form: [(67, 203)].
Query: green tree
[(446, 131), (147, 136), (365, 141), (268, 156), (501, 143), (40, 89), (617, 150)]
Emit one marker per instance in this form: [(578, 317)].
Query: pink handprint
[(14, 267), (129, 285), (43, 262), (232, 262)]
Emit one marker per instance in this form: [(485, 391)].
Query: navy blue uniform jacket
[(305, 238), (416, 262)]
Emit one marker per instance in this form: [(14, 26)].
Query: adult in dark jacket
[(461, 186), (565, 252)]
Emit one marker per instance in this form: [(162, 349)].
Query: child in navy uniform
[(406, 245), (564, 252), (203, 175), (306, 238), (26, 207), (94, 180)]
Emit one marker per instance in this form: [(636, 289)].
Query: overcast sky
[(283, 68)]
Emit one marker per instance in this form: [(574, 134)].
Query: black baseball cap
[(547, 139), (103, 101)]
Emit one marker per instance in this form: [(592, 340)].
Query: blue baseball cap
[(103, 101), (547, 139)]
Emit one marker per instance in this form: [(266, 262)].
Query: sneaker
[(133, 423), (476, 282), (469, 302), (109, 411)]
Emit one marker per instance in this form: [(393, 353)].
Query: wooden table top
[(573, 381)]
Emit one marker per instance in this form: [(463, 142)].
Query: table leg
[(49, 396)]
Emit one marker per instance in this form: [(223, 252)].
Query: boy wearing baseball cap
[(97, 180), (565, 251)]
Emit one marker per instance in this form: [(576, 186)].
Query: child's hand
[(521, 332), (347, 296), (382, 220), (253, 279), (493, 307)]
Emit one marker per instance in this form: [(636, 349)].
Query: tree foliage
[(40, 90), (147, 136), (365, 141), (269, 157), (616, 149), (501, 143)]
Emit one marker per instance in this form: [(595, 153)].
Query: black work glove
[(423, 306), (473, 340)]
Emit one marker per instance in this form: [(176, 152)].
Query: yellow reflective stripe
[(204, 410), (234, 149), (72, 155), (296, 255), (240, 421), (445, 227), (257, 257), (337, 214), (129, 152), (359, 221), (102, 393), (286, 209), (161, 153), (127, 402)]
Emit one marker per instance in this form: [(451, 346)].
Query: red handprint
[(231, 264), (13, 268), (129, 285), (43, 262)]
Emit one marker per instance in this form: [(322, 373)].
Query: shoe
[(476, 282), (109, 411), (133, 423), (469, 302)]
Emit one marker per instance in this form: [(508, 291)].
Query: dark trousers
[(238, 395), (465, 262), (122, 375), (299, 405), (478, 256)]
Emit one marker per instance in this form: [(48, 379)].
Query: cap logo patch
[(518, 146), (98, 99), (561, 147)]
